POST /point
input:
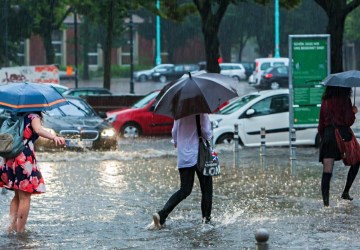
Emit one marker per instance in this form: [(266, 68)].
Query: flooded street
[(105, 200)]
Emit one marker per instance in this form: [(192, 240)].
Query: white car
[(268, 109), (234, 70)]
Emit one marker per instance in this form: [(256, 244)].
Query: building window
[(93, 56), (58, 46), (21, 53)]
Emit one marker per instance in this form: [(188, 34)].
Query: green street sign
[(309, 65)]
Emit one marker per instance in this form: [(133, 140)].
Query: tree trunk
[(336, 30), (211, 50), (49, 48), (226, 50), (210, 21), (85, 50), (108, 46)]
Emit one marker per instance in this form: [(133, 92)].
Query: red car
[(140, 119)]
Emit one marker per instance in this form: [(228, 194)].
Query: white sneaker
[(156, 220)]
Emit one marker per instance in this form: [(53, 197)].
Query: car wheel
[(142, 78), (236, 78), (225, 139), (162, 79), (274, 85), (130, 130)]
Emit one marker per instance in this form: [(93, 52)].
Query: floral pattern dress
[(21, 172)]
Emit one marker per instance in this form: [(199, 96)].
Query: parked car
[(79, 124), (274, 78), (146, 75), (234, 70), (249, 68), (140, 119), (251, 79), (268, 109), (175, 72), (86, 91), (261, 64), (63, 75), (60, 88)]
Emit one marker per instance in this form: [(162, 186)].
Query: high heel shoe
[(346, 196)]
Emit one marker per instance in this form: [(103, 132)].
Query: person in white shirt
[(186, 140)]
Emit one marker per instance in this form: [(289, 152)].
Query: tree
[(236, 29), (337, 11), (175, 33), (108, 16), (48, 16), (16, 27)]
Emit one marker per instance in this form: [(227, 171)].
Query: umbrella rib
[(32, 105)]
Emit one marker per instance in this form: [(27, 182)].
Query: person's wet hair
[(334, 91)]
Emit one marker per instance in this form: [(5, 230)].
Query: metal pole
[(212, 133), (277, 52), (293, 152), (6, 16), (262, 147), (158, 41), (131, 56), (236, 145), (262, 236), (76, 50)]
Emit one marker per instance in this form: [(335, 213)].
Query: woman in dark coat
[(336, 109)]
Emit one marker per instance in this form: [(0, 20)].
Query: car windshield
[(74, 107), (236, 104), (144, 101)]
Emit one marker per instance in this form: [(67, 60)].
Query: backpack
[(11, 136)]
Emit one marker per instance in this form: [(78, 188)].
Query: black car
[(86, 91), (174, 72), (274, 78), (79, 124)]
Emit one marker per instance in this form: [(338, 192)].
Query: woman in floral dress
[(22, 175)]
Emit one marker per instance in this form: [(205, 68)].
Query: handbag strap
[(198, 127)]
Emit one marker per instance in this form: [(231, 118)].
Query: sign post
[(309, 64)]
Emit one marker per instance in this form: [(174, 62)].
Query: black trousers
[(187, 176)]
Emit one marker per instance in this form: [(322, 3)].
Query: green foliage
[(352, 24)]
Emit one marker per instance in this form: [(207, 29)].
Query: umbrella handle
[(354, 95)]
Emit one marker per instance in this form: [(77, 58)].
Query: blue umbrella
[(27, 97), (346, 79)]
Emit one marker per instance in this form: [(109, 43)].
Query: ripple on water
[(105, 200)]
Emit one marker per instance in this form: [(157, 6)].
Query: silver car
[(146, 75)]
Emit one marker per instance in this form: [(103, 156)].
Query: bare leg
[(23, 211), (14, 206)]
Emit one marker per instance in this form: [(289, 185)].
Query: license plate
[(76, 143)]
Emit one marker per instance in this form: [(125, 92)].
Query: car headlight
[(111, 118), (216, 123), (109, 132)]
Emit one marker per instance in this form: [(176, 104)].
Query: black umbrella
[(345, 79), (195, 94)]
